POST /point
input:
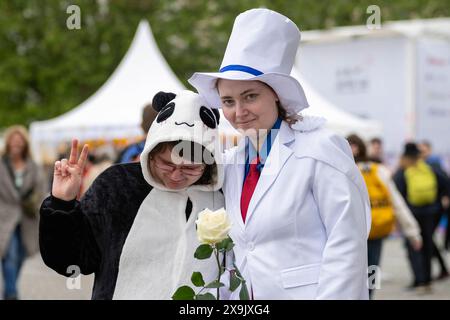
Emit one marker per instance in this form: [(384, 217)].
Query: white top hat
[(262, 46)]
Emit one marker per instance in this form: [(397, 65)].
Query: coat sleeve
[(442, 182), (66, 236), (343, 207), (400, 183)]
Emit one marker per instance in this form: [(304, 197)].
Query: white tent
[(114, 111), (339, 121)]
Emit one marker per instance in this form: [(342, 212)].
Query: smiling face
[(174, 172), (248, 104)]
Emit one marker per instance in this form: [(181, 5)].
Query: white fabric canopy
[(115, 110), (338, 120)]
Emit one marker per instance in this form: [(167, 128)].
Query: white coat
[(305, 235)]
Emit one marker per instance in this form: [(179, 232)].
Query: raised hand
[(67, 175)]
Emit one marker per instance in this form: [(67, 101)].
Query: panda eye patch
[(208, 117), (165, 112)]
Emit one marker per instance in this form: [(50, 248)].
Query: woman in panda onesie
[(135, 226)]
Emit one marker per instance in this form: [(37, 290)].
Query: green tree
[(46, 69)]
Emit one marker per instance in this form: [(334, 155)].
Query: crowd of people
[(416, 195)]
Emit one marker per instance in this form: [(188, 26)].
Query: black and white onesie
[(137, 236)]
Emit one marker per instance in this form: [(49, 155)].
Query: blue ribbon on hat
[(239, 67)]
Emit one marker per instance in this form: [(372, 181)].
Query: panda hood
[(184, 116)]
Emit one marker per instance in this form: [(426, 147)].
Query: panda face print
[(184, 109), (184, 123)]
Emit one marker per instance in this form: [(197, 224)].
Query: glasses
[(188, 170)]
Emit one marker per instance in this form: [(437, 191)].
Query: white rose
[(212, 226)]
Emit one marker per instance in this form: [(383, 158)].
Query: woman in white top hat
[(298, 203)]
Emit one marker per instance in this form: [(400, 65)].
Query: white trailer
[(398, 75)]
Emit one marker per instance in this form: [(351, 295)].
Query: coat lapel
[(278, 156), (238, 163), (8, 181)]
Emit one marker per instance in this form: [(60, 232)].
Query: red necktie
[(249, 187)]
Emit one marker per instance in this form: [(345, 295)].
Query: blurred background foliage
[(47, 69)]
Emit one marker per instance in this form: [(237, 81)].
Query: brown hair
[(148, 116), (285, 116), (22, 131), (362, 150), (210, 170)]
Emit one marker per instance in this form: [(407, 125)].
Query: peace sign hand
[(67, 175)]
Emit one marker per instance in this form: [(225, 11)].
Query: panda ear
[(161, 99), (217, 114)]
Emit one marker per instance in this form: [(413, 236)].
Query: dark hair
[(362, 150), (210, 170), (285, 116), (148, 116), (411, 151)]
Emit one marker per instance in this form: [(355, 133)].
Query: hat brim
[(288, 89)]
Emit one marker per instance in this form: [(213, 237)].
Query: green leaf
[(243, 294), (197, 279), (237, 271), (184, 293), (215, 284), (229, 246), (203, 251), (206, 296), (234, 281), (225, 243), (222, 270), (222, 244)]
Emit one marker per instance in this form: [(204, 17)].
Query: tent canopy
[(115, 110)]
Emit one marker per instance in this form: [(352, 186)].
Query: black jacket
[(91, 233)]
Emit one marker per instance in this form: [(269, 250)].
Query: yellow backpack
[(421, 184), (383, 219)]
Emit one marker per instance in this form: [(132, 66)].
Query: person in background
[(436, 163), (375, 152), (385, 200), (21, 191), (102, 159), (133, 151), (422, 188), (426, 151)]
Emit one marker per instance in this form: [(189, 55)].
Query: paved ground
[(396, 275), (39, 282)]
